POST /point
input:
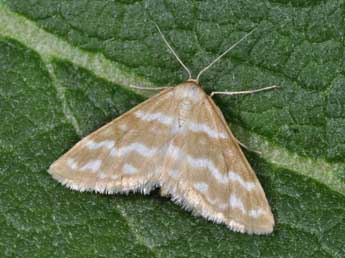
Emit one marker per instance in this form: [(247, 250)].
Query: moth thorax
[(188, 90), (184, 109)]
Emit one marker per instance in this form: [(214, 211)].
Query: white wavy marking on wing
[(233, 176), (192, 126), (236, 202), (92, 145), (158, 116), (177, 153), (129, 169), (201, 187), (209, 165), (256, 213), (92, 165), (201, 127), (140, 148), (174, 173), (72, 164)]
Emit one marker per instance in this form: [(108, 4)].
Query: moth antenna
[(174, 53), (223, 54)]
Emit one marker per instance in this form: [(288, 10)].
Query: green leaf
[(65, 68)]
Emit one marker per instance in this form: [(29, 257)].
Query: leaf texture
[(65, 69)]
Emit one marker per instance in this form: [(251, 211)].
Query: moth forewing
[(206, 171), (243, 180), (116, 157)]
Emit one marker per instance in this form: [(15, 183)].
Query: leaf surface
[(65, 68)]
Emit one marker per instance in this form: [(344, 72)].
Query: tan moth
[(177, 140)]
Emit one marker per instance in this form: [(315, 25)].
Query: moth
[(177, 140)]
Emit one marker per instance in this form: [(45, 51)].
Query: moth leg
[(243, 91), (245, 146)]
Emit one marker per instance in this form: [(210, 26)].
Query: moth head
[(189, 92), (193, 81)]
